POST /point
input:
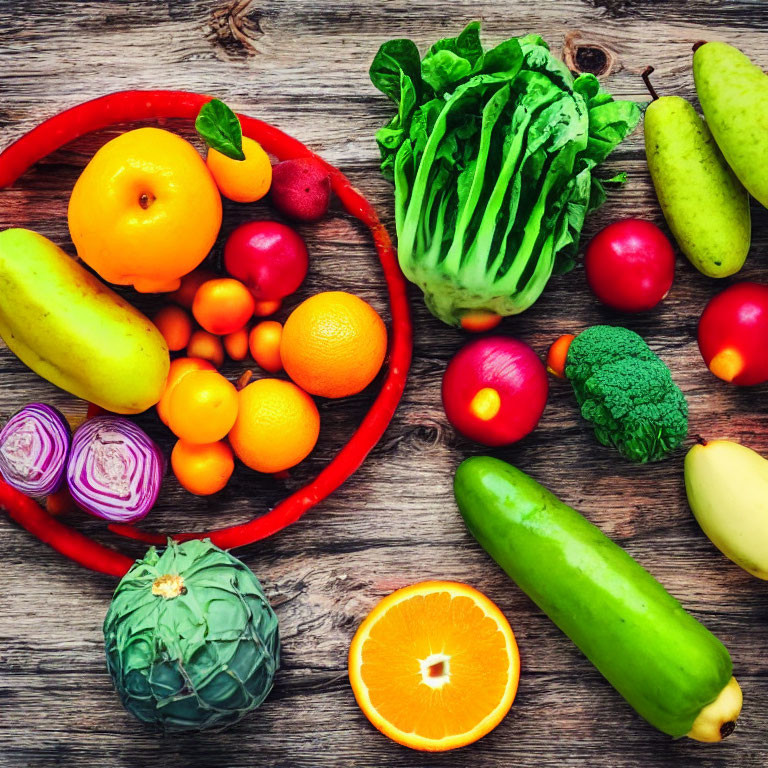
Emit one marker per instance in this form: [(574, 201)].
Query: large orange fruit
[(333, 344), (277, 425), (145, 211), (435, 666)]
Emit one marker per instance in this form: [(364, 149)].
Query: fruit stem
[(700, 440), (698, 45), (244, 380), (647, 80)]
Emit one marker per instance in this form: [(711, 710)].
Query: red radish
[(494, 390), (630, 265), (269, 257), (733, 334), (301, 189)]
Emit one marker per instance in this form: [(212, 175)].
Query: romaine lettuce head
[(492, 156)]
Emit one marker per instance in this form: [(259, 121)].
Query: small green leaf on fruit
[(220, 129)]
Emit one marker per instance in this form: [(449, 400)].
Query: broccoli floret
[(599, 345), (626, 392)]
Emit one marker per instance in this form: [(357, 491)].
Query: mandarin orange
[(202, 407), (333, 344), (204, 468), (179, 368), (277, 425), (243, 181)]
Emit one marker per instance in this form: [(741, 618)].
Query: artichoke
[(191, 640)]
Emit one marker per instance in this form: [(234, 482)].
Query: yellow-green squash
[(69, 328)]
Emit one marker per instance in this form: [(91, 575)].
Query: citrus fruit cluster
[(331, 345)]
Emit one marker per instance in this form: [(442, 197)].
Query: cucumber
[(669, 667)]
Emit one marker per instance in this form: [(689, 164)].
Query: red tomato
[(733, 334), (630, 265)]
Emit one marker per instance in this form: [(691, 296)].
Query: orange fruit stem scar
[(485, 404), (480, 320), (727, 364), (434, 666)]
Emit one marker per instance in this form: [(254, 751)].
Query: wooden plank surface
[(302, 65)]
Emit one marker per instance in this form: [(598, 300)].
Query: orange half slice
[(435, 666)]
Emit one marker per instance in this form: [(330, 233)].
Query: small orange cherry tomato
[(60, 502), (207, 346), (202, 468), (558, 354), (243, 181), (264, 343), (176, 326), (223, 305), (236, 344), (480, 320)]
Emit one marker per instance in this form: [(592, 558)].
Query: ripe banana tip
[(718, 719)]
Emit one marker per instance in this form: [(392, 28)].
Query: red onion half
[(34, 445), (115, 469)]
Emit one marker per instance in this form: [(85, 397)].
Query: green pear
[(727, 486), (704, 204), (734, 96)]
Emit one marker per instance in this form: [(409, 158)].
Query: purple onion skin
[(34, 446), (115, 469)]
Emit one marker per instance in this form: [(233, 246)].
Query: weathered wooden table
[(303, 66)]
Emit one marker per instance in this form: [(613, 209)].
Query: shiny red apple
[(269, 257)]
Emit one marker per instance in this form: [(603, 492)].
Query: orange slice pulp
[(435, 666)]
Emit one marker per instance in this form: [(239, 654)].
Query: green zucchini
[(668, 666)]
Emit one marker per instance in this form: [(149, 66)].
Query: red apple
[(733, 334), (269, 257), (494, 390), (630, 265)]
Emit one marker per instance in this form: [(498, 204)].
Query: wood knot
[(235, 28), (613, 8), (583, 56)]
